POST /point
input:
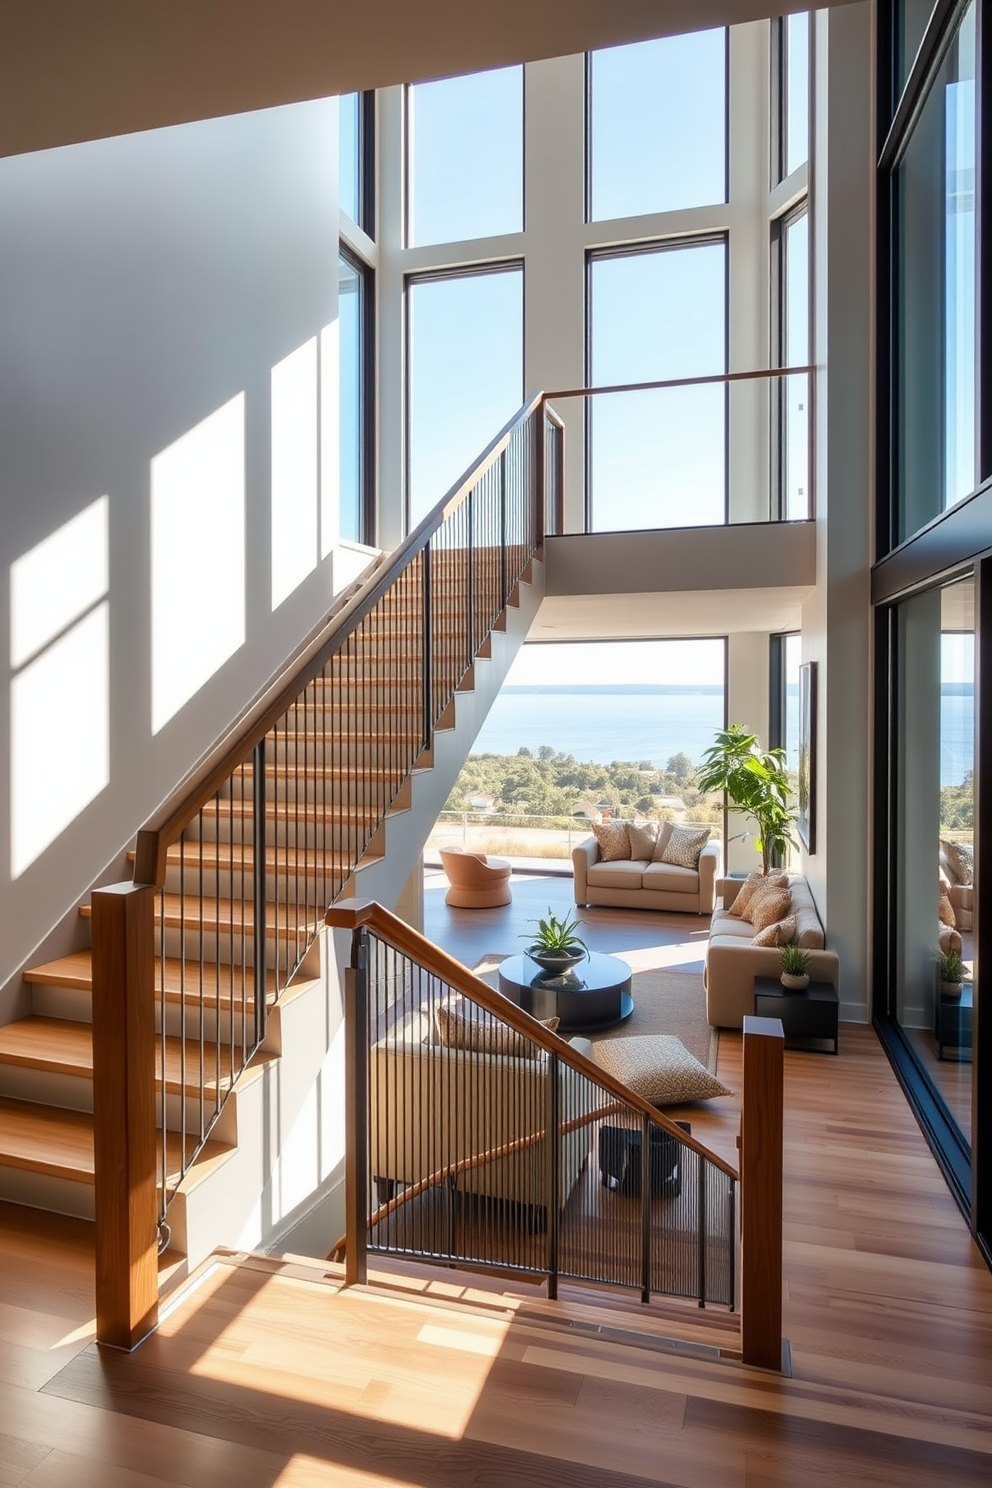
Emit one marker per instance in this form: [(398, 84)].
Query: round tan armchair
[(477, 882)]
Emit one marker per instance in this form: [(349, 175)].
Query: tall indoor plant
[(756, 783)]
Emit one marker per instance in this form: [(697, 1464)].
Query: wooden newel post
[(124, 1133), (761, 1193)]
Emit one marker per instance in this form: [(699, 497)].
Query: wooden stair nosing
[(75, 971)]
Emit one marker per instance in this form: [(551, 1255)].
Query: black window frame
[(367, 382)]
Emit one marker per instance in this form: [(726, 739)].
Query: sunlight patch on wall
[(60, 697), (197, 557), (294, 470)]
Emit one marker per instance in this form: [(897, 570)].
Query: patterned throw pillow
[(945, 909), (614, 841), (458, 1029), (643, 839), (961, 857), (754, 885), (773, 905), (659, 1067), (782, 932), (684, 847)]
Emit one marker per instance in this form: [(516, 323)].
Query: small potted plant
[(950, 974), (555, 946), (795, 968)]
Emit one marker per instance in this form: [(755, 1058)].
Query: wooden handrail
[(349, 914), (762, 374), (307, 662)]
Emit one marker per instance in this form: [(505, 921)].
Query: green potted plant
[(756, 783), (555, 945), (950, 974), (795, 968)]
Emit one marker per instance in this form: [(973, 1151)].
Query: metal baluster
[(552, 1167), (356, 992), (701, 1222), (645, 1209), (258, 890)]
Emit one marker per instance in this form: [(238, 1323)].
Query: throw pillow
[(458, 1029), (659, 1067), (782, 932), (614, 841), (773, 905), (665, 830), (753, 885), (643, 839), (684, 847), (961, 857), (945, 909)]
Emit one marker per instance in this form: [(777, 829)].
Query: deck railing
[(246, 856)]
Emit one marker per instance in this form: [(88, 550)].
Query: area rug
[(664, 1002)]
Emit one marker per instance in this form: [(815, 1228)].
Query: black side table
[(952, 1025), (806, 1016)]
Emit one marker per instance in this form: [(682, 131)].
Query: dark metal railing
[(476, 1137), (271, 829)]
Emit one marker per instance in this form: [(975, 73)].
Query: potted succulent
[(555, 945), (757, 784), (795, 968), (950, 974)]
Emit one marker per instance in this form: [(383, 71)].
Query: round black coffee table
[(593, 994)]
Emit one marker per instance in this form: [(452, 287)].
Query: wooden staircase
[(316, 786)]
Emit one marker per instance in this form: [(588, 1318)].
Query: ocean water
[(603, 723)]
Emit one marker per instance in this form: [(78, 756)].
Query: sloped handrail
[(350, 914)]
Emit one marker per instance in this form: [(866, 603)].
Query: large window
[(658, 125), (935, 307), (792, 236), (658, 457), (464, 373), (793, 119), (465, 157), (356, 112), (353, 312)]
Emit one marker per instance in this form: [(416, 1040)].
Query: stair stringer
[(282, 1186)]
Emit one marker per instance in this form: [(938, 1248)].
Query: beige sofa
[(639, 883), (432, 1106), (732, 962)]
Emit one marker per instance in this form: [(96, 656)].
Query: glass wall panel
[(351, 290), (350, 155), (935, 308), (934, 689), (795, 350), (909, 23), (658, 458), (796, 100), (658, 125), (464, 375), (465, 157)]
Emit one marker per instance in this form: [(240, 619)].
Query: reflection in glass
[(658, 458), (909, 23), (465, 157), (658, 125), (796, 110), (935, 827), (465, 374), (795, 391), (350, 156), (350, 291), (936, 296)]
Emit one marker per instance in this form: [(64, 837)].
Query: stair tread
[(59, 1143), (76, 972), (232, 915), (240, 857), (63, 1046)]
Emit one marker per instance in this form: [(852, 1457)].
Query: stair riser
[(40, 1191), (227, 885), (75, 1093), (357, 752), (67, 1002), (280, 832), (228, 949)]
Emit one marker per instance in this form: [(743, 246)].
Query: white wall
[(149, 281)]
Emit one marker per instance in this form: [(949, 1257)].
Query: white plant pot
[(794, 982), (951, 990)]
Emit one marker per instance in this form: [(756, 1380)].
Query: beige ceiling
[(80, 69), (604, 617)]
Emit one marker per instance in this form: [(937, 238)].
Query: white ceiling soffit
[(73, 71), (610, 617)]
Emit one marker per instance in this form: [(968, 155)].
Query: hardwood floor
[(264, 1372)]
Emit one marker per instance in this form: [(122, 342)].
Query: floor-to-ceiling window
[(934, 534), (356, 318)]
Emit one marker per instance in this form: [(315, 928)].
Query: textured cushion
[(770, 906), (643, 839), (961, 860), (684, 846), (945, 909), (622, 875), (781, 933), (665, 830), (669, 878), (659, 1067), (457, 1029), (753, 885), (614, 841)]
